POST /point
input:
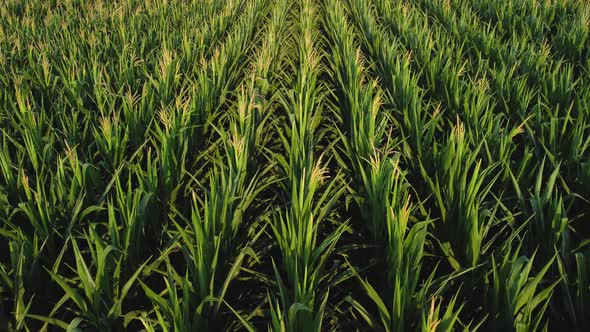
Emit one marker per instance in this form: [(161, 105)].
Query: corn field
[(295, 165)]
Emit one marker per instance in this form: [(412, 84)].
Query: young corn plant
[(575, 289), (398, 301), (173, 312), (548, 216), (12, 181), (434, 319), (31, 124), (517, 299), (111, 138), (15, 277), (97, 296), (130, 215), (460, 188), (563, 138), (171, 143)]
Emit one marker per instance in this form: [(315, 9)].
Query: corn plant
[(575, 290), (460, 198), (14, 281), (99, 297), (515, 297)]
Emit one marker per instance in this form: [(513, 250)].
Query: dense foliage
[(206, 165)]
